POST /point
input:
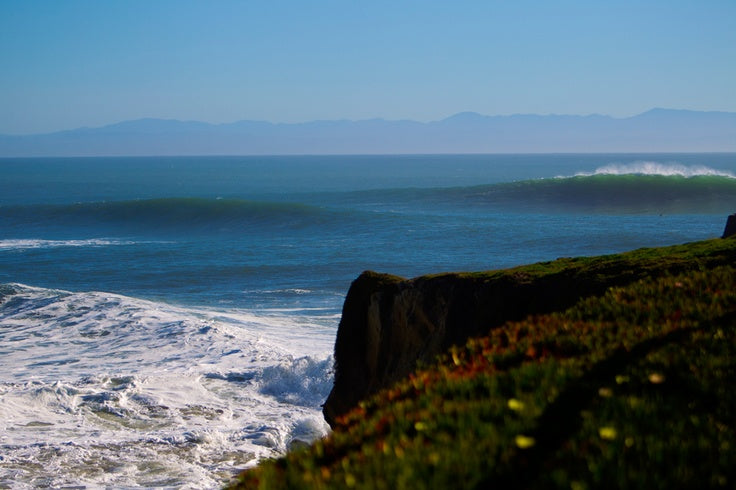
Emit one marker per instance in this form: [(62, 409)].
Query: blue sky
[(66, 64)]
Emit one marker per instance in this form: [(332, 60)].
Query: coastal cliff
[(605, 393), (390, 325)]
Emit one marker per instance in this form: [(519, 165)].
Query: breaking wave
[(639, 188), (636, 188), (101, 389), (658, 168)]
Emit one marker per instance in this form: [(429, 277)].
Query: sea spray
[(127, 392), (658, 168)]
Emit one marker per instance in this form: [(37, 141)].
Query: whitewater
[(103, 389), (168, 322), (657, 168)]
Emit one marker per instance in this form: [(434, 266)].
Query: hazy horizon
[(657, 130), (82, 63), (377, 118)]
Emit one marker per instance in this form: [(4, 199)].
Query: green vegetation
[(633, 388)]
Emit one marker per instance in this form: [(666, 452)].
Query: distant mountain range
[(658, 130)]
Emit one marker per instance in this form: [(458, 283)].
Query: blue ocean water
[(177, 309), (249, 231)]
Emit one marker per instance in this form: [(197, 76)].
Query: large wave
[(631, 188), (640, 188), (636, 188), (170, 213)]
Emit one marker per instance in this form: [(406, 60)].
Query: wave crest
[(32, 243), (658, 168), (606, 193)]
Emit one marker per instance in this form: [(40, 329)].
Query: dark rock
[(730, 227), (390, 324)]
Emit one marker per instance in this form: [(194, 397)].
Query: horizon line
[(367, 119)]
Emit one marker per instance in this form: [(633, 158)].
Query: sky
[(66, 64)]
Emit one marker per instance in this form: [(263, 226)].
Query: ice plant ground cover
[(632, 389)]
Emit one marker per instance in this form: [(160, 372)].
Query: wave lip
[(657, 168)]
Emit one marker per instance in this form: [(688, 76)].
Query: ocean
[(169, 321)]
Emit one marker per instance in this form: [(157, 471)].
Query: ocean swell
[(168, 213), (636, 188)]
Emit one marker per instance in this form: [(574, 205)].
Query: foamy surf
[(657, 168), (99, 389), (24, 244)]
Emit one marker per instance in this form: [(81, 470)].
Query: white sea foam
[(657, 168), (100, 389), (24, 244)]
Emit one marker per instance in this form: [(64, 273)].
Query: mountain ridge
[(656, 130)]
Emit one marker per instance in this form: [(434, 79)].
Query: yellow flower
[(515, 405), (524, 442), (607, 433), (656, 378)]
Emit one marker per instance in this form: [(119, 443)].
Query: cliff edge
[(390, 325), (604, 393)]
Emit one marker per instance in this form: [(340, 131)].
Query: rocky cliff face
[(389, 324)]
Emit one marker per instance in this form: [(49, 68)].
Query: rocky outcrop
[(730, 229), (389, 324)]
